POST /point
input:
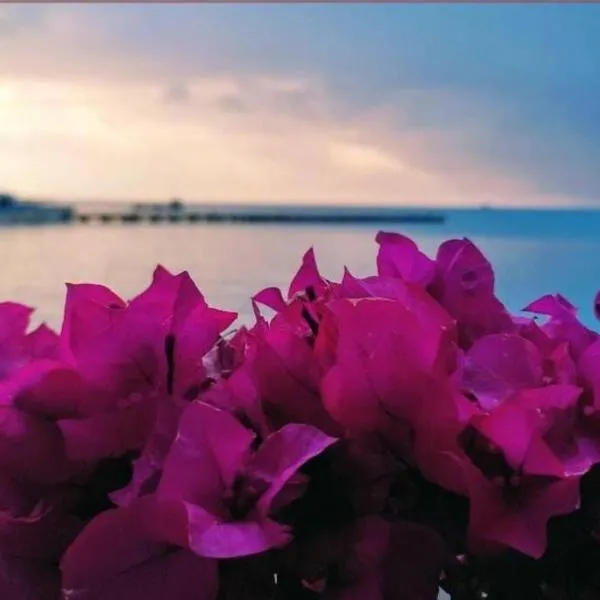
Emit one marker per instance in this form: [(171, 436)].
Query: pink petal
[(239, 538), (384, 365), (205, 458), (399, 256), (551, 305), (286, 373), (115, 557), (14, 320), (172, 296), (193, 338), (466, 290), (271, 297), (282, 454), (497, 365), (307, 276), (519, 524), (106, 435), (89, 310), (43, 342), (31, 448)]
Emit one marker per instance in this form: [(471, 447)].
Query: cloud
[(430, 103), (122, 140)]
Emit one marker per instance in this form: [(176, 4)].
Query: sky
[(456, 105)]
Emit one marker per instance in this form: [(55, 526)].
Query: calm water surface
[(534, 252)]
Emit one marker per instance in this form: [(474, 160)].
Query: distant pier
[(177, 212)]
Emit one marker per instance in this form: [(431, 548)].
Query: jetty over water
[(178, 212)]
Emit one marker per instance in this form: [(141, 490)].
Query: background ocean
[(533, 252)]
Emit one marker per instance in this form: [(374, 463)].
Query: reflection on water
[(230, 262)]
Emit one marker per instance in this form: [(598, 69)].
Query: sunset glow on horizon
[(373, 105)]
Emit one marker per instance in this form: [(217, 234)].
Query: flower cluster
[(377, 438)]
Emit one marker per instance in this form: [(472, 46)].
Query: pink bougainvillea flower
[(399, 256), (515, 514), (385, 365), (563, 323), (287, 373), (361, 441), (139, 361), (535, 431), (213, 501), (525, 467), (465, 287), (498, 365), (211, 466)]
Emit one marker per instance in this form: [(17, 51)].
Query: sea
[(534, 252)]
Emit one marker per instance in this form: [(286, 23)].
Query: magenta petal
[(271, 297), (210, 448), (369, 379), (286, 373), (510, 429), (173, 296), (148, 466), (178, 574), (49, 389), (31, 448), (518, 518), (465, 287), (563, 324), (282, 454), (106, 435), (14, 320), (238, 394), (307, 276), (43, 342), (115, 558), (399, 256), (430, 314), (498, 365), (193, 338), (239, 538), (88, 312), (551, 305), (533, 428)]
